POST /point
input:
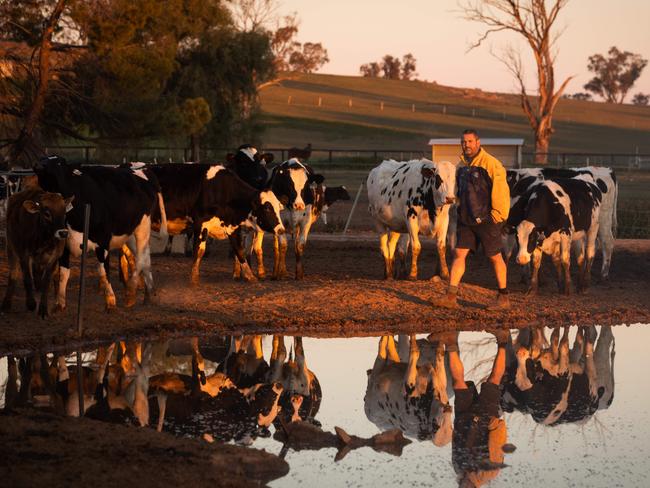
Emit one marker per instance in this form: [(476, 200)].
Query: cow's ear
[(31, 206), (316, 178), (267, 158), (427, 172), (68, 203)]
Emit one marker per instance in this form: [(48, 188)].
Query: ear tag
[(76, 172)]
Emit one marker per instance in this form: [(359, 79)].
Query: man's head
[(470, 143)]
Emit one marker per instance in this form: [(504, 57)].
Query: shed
[(508, 151)]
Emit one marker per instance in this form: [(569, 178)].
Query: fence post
[(289, 100), (413, 108), (444, 110), (381, 106), (320, 101), (349, 103), (354, 205), (330, 155)]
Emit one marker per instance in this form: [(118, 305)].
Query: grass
[(580, 126)]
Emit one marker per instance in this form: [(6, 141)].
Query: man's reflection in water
[(479, 432)]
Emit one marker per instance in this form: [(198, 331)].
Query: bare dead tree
[(24, 148), (251, 15), (534, 21)]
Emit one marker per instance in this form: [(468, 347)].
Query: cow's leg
[(109, 295), (556, 256), (162, 406), (521, 376), (380, 360), (236, 265), (606, 238), (279, 256), (399, 263), (168, 247), (591, 253), (45, 288), (536, 262), (238, 248), (14, 274), (200, 241), (392, 246), (565, 256), (64, 276), (142, 234), (412, 369), (25, 266), (555, 344), (441, 244), (301, 234), (278, 357), (416, 246), (391, 349), (257, 248), (578, 248), (383, 247)]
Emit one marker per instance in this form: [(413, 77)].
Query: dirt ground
[(343, 294), (41, 449)]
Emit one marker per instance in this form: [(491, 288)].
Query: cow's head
[(442, 180), (50, 209), (266, 212), (54, 174), (250, 165), (290, 182)]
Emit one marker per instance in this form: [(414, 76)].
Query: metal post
[(82, 281), (354, 205)]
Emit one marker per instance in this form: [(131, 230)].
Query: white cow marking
[(212, 172)]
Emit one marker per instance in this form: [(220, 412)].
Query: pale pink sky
[(359, 31)]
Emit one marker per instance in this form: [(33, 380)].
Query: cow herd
[(558, 212), (552, 211), (239, 200)]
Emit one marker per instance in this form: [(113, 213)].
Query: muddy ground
[(343, 294)]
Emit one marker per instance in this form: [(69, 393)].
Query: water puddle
[(568, 406)]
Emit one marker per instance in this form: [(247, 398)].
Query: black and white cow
[(521, 181), (413, 197), (409, 391), (556, 215), (215, 202), (122, 203), (291, 182)]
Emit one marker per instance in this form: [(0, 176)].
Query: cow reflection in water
[(407, 389), (555, 383)]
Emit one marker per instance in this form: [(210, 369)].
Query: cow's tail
[(615, 216), (163, 216)]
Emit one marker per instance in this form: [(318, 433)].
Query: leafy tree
[(409, 67), (370, 70), (310, 58), (391, 67), (581, 96), (615, 75), (641, 99)]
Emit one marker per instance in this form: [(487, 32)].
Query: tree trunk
[(25, 138), (542, 143)]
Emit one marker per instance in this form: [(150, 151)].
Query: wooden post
[(413, 108), (330, 155), (473, 112), (381, 106), (349, 103), (320, 101), (289, 100), (444, 110)]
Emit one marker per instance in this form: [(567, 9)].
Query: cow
[(291, 183), (414, 197), (521, 181), (215, 202), (408, 393), (36, 235), (557, 384), (558, 214), (122, 203)]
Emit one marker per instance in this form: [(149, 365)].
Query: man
[(484, 204), (479, 437)]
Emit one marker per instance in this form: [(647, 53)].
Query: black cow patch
[(411, 213), (399, 195), (559, 193), (438, 181), (395, 183), (601, 185)]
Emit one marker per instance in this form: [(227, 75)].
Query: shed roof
[(485, 141)]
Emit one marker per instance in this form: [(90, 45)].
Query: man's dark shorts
[(487, 233), (469, 400)]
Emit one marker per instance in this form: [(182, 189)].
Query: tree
[(581, 96), (195, 115), (534, 21), (310, 58), (391, 67), (409, 67), (641, 99), (614, 75), (370, 70)]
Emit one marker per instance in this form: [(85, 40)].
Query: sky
[(355, 32)]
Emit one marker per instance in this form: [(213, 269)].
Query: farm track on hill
[(343, 294)]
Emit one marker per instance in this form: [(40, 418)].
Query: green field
[(414, 111)]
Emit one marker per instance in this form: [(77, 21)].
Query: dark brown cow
[(36, 233), (302, 154)]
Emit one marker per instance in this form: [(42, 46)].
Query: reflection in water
[(225, 389)]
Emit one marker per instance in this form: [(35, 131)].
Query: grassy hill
[(350, 116)]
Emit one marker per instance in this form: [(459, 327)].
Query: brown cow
[(36, 233)]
